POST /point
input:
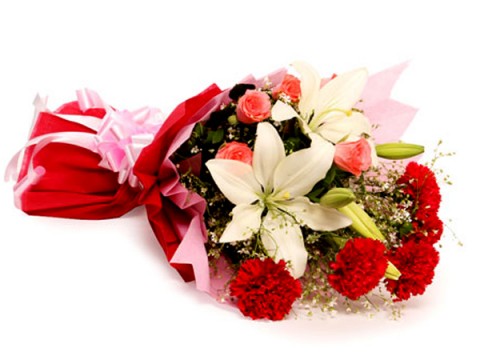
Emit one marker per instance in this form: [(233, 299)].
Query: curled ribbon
[(119, 138)]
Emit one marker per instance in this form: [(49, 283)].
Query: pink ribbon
[(121, 138)]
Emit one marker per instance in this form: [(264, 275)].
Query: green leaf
[(314, 195), (330, 176), (292, 144), (405, 229), (198, 130), (217, 136), (209, 138)]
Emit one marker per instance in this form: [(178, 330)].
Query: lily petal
[(298, 173), (235, 180), (245, 222), (305, 127), (282, 111), (339, 127), (318, 123), (315, 216), (309, 85), (283, 239), (267, 154), (342, 92)]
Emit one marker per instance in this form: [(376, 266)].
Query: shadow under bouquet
[(293, 189)]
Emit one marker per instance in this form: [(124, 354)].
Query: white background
[(74, 289)]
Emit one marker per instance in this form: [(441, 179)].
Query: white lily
[(270, 196), (327, 110)]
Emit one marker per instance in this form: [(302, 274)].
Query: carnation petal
[(315, 216), (283, 239), (268, 153), (235, 180), (282, 111), (358, 268), (245, 222), (298, 173)]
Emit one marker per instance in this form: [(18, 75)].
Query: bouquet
[(289, 190)]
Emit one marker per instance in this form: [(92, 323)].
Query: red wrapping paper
[(74, 185), (164, 215)]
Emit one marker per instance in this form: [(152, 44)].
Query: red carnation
[(429, 231), (265, 289), (421, 185), (359, 267), (416, 262)]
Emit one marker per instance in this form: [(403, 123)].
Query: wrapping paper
[(389, 118), (175, 215), (76, 163)]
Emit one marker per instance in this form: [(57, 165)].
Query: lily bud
[(337, 197), (392, 272), (361, 222), (398, 151)]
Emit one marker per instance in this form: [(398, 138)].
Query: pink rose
[(353, 156), (290, 86), (235, 151), (254, 106)]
